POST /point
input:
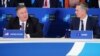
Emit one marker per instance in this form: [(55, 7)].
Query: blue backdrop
[(55, 20)]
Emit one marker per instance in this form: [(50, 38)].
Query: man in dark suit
[(15, 3), (84, 22), (52, 3), (93, 3), (30, 25)]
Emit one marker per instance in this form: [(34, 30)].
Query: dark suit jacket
[(33, 27), (53, 3), (14, 3), (92, 24), (93, 4)]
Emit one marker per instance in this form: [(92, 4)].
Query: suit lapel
[(28, 23), (42, 2), (18, 24), (77, 23), (88, 24)]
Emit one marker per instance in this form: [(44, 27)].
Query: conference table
[(49, 47)]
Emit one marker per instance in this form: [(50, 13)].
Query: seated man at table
[(84, 22), (30, 25)]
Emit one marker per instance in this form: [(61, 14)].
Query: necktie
[(82, 25), (23, 29), (45, 4), (22, 26)]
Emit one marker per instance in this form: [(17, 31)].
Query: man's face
[(22, 14), (79, 12)]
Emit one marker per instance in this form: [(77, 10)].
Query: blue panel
[(91, 49), (35, 49)]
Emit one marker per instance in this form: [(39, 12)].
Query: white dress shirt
[(20, 22), (99, 3), (25, 35), (84, 23)]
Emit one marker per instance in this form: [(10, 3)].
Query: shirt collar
[(85, 18), (22, 22)]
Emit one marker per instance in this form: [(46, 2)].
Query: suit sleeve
[(9, 24), (38, 29), (38, 32), (71, 23)]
